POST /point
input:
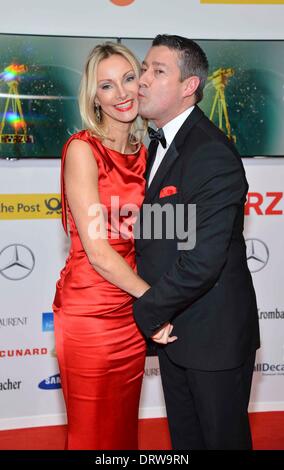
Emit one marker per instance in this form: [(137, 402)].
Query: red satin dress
[(101, 352)]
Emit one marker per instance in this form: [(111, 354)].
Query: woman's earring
[(98, 113)]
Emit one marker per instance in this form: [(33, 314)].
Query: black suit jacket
[(206, 292)]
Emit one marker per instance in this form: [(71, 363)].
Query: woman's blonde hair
[(88, 90)]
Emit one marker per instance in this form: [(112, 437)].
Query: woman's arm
[(81, 186)]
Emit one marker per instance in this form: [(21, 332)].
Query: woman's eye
[(130, 78), (106, 86)]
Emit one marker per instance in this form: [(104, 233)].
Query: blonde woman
[(100, 350)]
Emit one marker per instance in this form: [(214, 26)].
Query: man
[(204, 294)]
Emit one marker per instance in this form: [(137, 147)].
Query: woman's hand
[(162, 336)]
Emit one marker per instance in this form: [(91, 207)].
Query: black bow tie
[(157, 135)]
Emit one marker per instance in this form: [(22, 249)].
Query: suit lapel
[(171, 155), (168, 160), (151, 157)]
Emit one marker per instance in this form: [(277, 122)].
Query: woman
[(100, 350)]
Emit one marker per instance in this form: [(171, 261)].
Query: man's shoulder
[(207, 150), (206, 137), (209, 132)]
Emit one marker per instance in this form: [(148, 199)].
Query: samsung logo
[(51, 383)]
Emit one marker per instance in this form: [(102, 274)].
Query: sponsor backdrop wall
[(33, 249), (33, 246)]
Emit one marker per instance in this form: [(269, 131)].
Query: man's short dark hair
[(193, 60)]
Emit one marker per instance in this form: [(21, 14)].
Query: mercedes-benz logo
[(257, 254), (16, 261)]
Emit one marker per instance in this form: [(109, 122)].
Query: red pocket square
[(168, 191)]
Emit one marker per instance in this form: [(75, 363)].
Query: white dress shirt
[(170, 130)]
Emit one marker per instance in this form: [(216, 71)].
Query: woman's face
[(117, 90)]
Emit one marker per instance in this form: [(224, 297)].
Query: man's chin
[(143, 112)]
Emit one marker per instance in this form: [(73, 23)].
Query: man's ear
[(190, 86)]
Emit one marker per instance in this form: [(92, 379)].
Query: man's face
[(160, 88)]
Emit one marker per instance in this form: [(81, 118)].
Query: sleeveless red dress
[(101, 352)]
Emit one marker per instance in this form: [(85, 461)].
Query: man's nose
[(145, 79)]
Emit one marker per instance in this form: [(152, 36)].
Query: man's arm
[(218, 189)]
